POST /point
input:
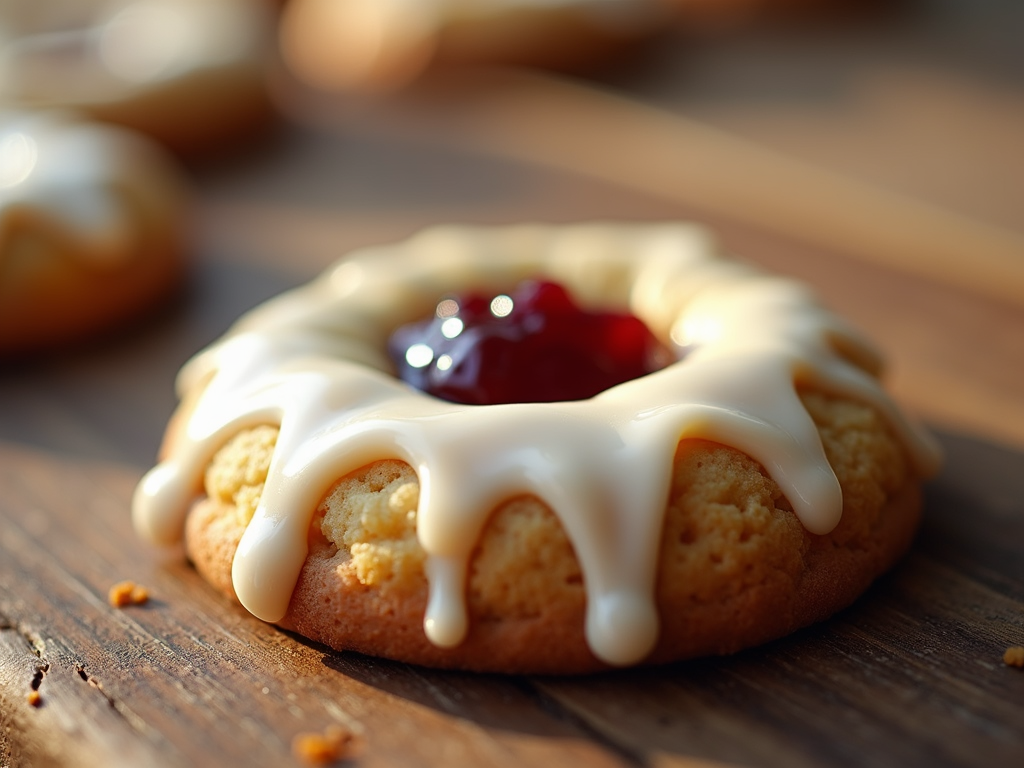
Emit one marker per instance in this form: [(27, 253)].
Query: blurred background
[(875, 149)]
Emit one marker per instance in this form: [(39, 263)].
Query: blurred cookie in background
[(92, 220), (189, 73), (374, 46), (381, 45)]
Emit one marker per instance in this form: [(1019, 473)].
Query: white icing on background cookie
[(313, 362), (141, 63), (81, 187)]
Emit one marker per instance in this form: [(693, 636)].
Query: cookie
[(92, 224), (188, 73), (757, 484), (380, 45)]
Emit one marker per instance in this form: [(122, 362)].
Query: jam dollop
[(532, 345)]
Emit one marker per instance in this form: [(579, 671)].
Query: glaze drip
[(311, 362)]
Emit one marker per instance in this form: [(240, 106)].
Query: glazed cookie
[(189, 73), (91, 228), (375, 45), (756, 483)]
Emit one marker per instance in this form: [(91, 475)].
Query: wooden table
[(911, 675)]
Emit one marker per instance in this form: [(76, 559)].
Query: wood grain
[(911, 675), (188, 679)]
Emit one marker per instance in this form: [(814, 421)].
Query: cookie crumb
[(35, 699), (1014, 656), (322, 748), (127, 593)]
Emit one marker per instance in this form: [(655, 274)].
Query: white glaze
[(106, 54), (80, 186), (312, 362)]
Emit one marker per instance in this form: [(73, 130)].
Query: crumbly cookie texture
[(125, 593), (325, 747), (1014, 656), (236, 476), (736, 566)]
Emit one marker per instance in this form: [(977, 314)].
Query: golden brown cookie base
[(736, 566)]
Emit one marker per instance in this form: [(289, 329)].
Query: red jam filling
[(533, 345)]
